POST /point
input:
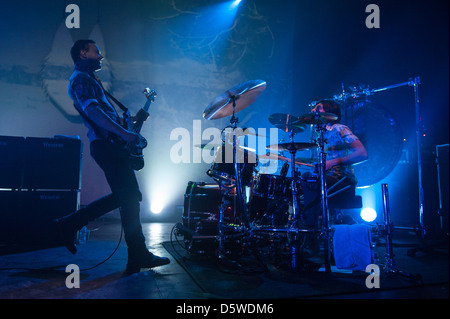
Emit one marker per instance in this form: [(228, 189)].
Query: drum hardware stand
[(323, 193), (389, 265), (295, 211), (221, 229), (225, 105), (240, 202), (415, 82), (441, 208), (297, 216)]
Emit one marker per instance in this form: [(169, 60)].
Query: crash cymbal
[(244, 94), (317, 118), (286, 122), (291, 146)]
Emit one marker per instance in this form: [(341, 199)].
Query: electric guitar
[(133, 151)]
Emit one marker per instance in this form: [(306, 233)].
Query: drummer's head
[(328, 106)]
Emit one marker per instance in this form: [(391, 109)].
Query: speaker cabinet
[(26, 217), (12, 159), (52, 163)]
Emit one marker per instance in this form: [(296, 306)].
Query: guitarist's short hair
[(77, 47)]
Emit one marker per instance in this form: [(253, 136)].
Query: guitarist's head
[(87, 51)]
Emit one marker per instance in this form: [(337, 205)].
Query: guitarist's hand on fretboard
[(141, 116)]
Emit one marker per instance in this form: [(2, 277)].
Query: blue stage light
[(235, 3), (368, 214)]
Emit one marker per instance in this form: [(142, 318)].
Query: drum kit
[(222, 217), (219, 219)]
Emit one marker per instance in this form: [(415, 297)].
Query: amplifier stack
[(40, 180)]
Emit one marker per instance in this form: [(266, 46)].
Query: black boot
[(143, 259), (68, 226)]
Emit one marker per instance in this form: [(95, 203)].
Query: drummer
[(343, 149)]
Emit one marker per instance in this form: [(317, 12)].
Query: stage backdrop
[(190, 52)]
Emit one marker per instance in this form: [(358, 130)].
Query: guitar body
[(136, 161), (133, 152)]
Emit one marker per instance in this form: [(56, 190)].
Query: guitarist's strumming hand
[(130, 137)]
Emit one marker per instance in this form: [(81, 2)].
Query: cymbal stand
[(320, 128), (221, 229), (239, 193), (295, 211), (296, 216)]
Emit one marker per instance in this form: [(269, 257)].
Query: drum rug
[(254, 277)]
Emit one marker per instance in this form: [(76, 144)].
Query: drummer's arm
[(357, 154)]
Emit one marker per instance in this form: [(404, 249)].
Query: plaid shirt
[(85, 91)]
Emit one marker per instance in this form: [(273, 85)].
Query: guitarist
[(103, 122)]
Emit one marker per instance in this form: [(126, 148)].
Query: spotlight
[(156, 207), (235, 3), (368, 214)]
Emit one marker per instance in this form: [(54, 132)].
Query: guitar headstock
[(150, 94)]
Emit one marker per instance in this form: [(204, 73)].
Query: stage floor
[(41, 274)]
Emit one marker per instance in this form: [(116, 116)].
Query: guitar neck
[(137, 127), (141, 116)]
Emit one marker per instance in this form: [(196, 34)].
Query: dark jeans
[(125, 193), (312, 208)]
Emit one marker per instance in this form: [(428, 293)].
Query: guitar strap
[(109, 95)]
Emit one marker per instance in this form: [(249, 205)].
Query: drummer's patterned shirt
[(338, 139)]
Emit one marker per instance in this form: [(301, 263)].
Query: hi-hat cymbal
[(317, 118), (244, 94), (307, 159), (286, 122), (291, 146), (283, 158), (208, 146)]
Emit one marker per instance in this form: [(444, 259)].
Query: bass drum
[(380, 134), (202, 208), (201, 216)]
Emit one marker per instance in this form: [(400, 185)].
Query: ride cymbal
[(298, 146), (286, 122), (317, 118)]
